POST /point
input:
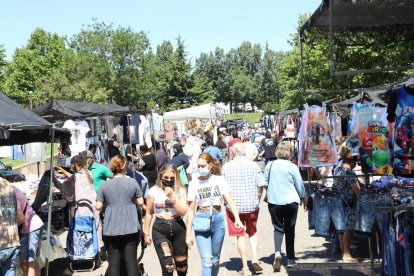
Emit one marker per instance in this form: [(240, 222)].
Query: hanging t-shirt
[(371, 126), (34, 152), (401, 111), (336, 125), (78, 130), (352, 140), (316, 145)]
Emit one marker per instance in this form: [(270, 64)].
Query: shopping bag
[(183, 176), (290, 128)]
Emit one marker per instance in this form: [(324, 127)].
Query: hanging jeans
[(329, 208), (209, 243), (365, 214), (388, 266)]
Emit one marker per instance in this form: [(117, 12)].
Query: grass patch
[(14, 163), (250, 117), (48, 148)]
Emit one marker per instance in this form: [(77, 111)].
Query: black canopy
[(390, 15), (63, 110), (379, 97), (21, 126)]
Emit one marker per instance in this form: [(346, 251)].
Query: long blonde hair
[(177, 182)]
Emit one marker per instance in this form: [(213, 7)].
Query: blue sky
[(202, 24)]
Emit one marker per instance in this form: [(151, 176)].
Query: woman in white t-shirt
[(167, 202), (209, 243)]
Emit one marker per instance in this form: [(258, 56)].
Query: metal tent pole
[(302, 76), (331, 61), (50, 202)]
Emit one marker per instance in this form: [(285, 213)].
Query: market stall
[(21, 126), (379, 130), (193, 120)]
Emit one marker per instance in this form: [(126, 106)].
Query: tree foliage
[(107, 64)]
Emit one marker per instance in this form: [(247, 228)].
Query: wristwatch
[(145, 234)]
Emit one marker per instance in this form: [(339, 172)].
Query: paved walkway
[(313, 253)]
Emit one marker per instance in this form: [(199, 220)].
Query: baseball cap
[(89, 154)]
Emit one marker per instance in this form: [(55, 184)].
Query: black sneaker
[(291, 263)]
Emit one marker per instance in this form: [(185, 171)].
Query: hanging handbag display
[(290, 131), (203, 224)]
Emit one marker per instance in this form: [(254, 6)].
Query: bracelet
[(145, 234)]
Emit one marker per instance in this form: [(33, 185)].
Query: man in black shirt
[(149, 167), (113, 146)]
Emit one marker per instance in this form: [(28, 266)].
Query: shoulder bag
[(268, 179), (203, 224)]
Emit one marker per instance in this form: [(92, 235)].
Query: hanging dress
[(316, 145)]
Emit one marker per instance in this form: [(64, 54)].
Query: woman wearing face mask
[(210, 242), (180, 160), (167, 202)]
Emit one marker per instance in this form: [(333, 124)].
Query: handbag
[(183, 176), (290, 128), (203, 224), (268, 179)]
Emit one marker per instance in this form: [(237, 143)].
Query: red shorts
[(248, 219)]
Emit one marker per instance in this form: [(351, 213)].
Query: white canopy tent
[(201, 112), (205, 111)]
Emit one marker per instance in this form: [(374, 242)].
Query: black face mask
[(167, 183)]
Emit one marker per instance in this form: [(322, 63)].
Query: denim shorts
[(9, 258), (365, 214), (30, 244), (327, 209)]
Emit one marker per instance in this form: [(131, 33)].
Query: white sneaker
[(278, 261)]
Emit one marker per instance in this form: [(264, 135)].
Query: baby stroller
[(82, 240)]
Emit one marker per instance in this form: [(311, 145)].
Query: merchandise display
[(316, 144)]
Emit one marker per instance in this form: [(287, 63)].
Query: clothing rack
[(395, 208)]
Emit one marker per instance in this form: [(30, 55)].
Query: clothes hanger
[(314, 101), (409, 83)]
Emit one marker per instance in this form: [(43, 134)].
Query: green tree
[(110, 60), (3, 64), (38, 59)]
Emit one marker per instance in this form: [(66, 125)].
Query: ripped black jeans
[(168, 236)]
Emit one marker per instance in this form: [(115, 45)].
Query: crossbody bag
[(203, 224)]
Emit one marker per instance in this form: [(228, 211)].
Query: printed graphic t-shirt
[(9, 236), (199, 191), (371, 126), (401, 110), (162, 204)]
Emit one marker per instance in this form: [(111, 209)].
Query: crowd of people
[(172, 193)]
